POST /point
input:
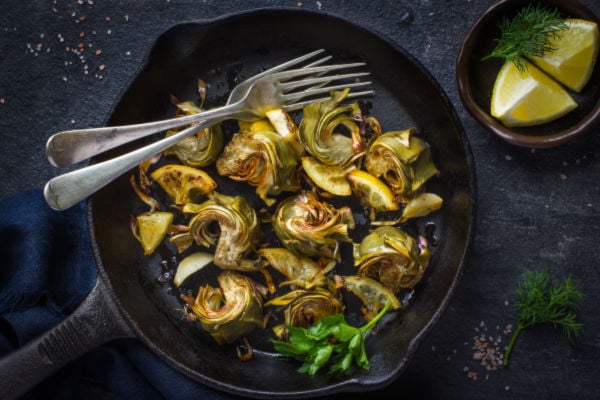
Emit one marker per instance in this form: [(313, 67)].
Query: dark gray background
[(535, 208)]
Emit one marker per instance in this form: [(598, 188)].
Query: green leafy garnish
[(542, 301), (331, 338), (527, 35)]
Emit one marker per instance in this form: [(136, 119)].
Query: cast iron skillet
[(127, 300)]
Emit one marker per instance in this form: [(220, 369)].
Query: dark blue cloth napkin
[(46, 270)]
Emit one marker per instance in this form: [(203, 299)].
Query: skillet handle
[(96, 321)]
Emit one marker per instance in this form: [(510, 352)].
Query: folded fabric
[(46, 270)]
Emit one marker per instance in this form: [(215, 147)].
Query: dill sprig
[(542, 301), (528, 35)]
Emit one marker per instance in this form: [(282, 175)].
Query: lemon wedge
[(371, 191), (529, 97), (151, 228), (331, 178), (576, 49)]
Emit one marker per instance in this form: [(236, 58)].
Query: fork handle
[(66, 190), (70, 147)]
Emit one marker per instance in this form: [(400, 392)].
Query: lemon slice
[(181, 182), (331, 178), (371, 191), (576, 49), (528, 98), (151, 228)]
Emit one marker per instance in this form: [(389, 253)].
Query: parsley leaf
[(330, 340)]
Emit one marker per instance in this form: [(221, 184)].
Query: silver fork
[(275, 90), (70, 147)]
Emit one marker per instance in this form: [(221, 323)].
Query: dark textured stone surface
[(535, 208)]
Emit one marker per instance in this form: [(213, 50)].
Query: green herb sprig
[(542, 301), (331, 338), (527, 35)]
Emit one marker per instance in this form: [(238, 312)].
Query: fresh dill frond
[(542, 301), (528, 35)]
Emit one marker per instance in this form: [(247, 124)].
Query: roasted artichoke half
[(232, 310), (228, 221), (305, 307), (204, 147), (321, 134), (403, 160), (307, 226), (264, 159), (391, 256)]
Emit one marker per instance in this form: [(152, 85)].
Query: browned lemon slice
[(151, 229), (331, 178), (180, 182), (371, 191), (373, 295)]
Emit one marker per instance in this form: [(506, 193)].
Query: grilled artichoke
[(237, 234), (309, 227), (392, 257), (305, 307), (232, 310), (318, 126), (402, 160), (263, 159)]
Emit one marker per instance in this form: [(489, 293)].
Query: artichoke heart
[(263, 159), (309, 227), (392, 257), (238, 231), (319, 134), (306, 307), (299, 270), (402, 160), (198, 150), (232, 310)]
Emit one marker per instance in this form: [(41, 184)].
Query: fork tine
[(295, 73), (302, 104), (324, 79), (284, 66), (319, 90)]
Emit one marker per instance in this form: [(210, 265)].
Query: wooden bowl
[(475, 79)]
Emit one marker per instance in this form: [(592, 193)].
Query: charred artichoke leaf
[(238, 231), (151, 228), (305, 307), (182, 183), (319, 130), (392, 257), (263, 159), (232, 310), (299, 270), (402, 160), (421, 205), (372, 294), (307, 226)]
